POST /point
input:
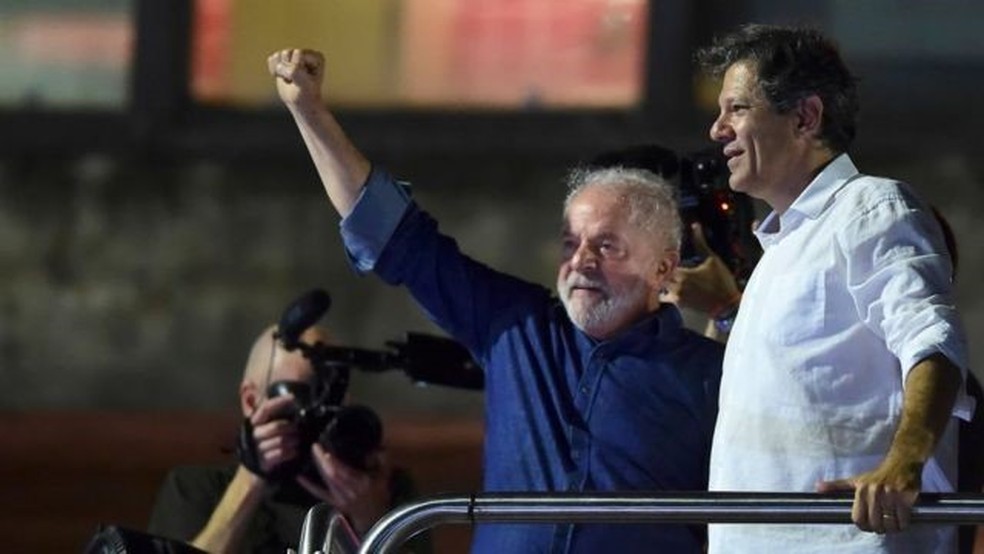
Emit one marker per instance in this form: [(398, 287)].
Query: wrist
[(248, 479), (911, 448), (304, 108), (723, 316)]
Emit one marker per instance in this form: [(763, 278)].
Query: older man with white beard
[(604, 390)]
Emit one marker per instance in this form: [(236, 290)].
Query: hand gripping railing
[(716, 507)]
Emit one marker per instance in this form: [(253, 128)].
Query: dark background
[(142, 251)]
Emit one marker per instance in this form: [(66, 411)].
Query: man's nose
[(584, 258), (720, 130)]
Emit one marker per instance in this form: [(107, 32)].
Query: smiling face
[(611, 269), (768, 152)]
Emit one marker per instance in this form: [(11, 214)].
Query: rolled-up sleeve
[(900, 278), (377, 213)]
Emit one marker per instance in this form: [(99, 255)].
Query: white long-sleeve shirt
[(853, 289)]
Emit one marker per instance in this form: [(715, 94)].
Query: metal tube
[(406, 521), (315, 528), (716, 507)]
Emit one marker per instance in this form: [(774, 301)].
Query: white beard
[(595, 317)]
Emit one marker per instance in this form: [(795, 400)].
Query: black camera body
[(704, 197), (351, 433), (725, 216)]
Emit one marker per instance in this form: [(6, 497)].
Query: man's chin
[(741, 182), (590, 323), (577, 311)]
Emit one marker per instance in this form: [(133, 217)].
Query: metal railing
[(717, 507)]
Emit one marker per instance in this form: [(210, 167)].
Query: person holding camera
[(601, 389), (845, 365), (709, 288), (259, 504)]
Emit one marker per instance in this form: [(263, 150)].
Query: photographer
[(709, 288), (256, 506)]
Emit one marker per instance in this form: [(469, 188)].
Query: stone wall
[(127, 285)]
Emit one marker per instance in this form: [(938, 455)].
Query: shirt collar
[(814, 199), (820, 192)]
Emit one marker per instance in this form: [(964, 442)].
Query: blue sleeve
[(388, 234), (376, 215)]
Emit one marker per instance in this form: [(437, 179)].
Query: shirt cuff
[(377, 213)]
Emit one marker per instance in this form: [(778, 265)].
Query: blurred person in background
[(249, 507)]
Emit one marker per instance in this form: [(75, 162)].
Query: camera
[(350, 432), (725, 216), (703, 196)]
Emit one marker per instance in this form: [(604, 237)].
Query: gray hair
[(651, 199)]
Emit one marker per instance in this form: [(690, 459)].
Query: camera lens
[(353, 434)]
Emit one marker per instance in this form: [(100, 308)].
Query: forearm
[(712, 332), (232, 517), (930, 390), (884, 497), (342, 168)]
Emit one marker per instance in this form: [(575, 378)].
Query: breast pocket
[(794, 308)]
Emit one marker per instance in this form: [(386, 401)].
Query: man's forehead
[(608, 216), (741, 76), (600, 230), (292, 365), (613, 227)]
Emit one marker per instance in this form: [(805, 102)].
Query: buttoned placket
[(580, 438), (585, 394)]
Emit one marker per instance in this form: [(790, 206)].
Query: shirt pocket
[(794, 308)]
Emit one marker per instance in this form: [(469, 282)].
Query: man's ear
[(249, 398), (665, 266), (809, 116)]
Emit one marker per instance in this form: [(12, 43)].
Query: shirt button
[(584, 389)]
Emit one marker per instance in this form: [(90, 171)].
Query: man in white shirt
[(846, 361)]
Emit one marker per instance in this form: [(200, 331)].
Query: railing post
[(314, 532)]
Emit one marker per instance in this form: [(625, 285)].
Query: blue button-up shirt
[(564, 412)]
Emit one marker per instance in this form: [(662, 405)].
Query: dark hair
[(791, 64)]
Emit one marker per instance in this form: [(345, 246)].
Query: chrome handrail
[(315, 530), (717, 507)]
